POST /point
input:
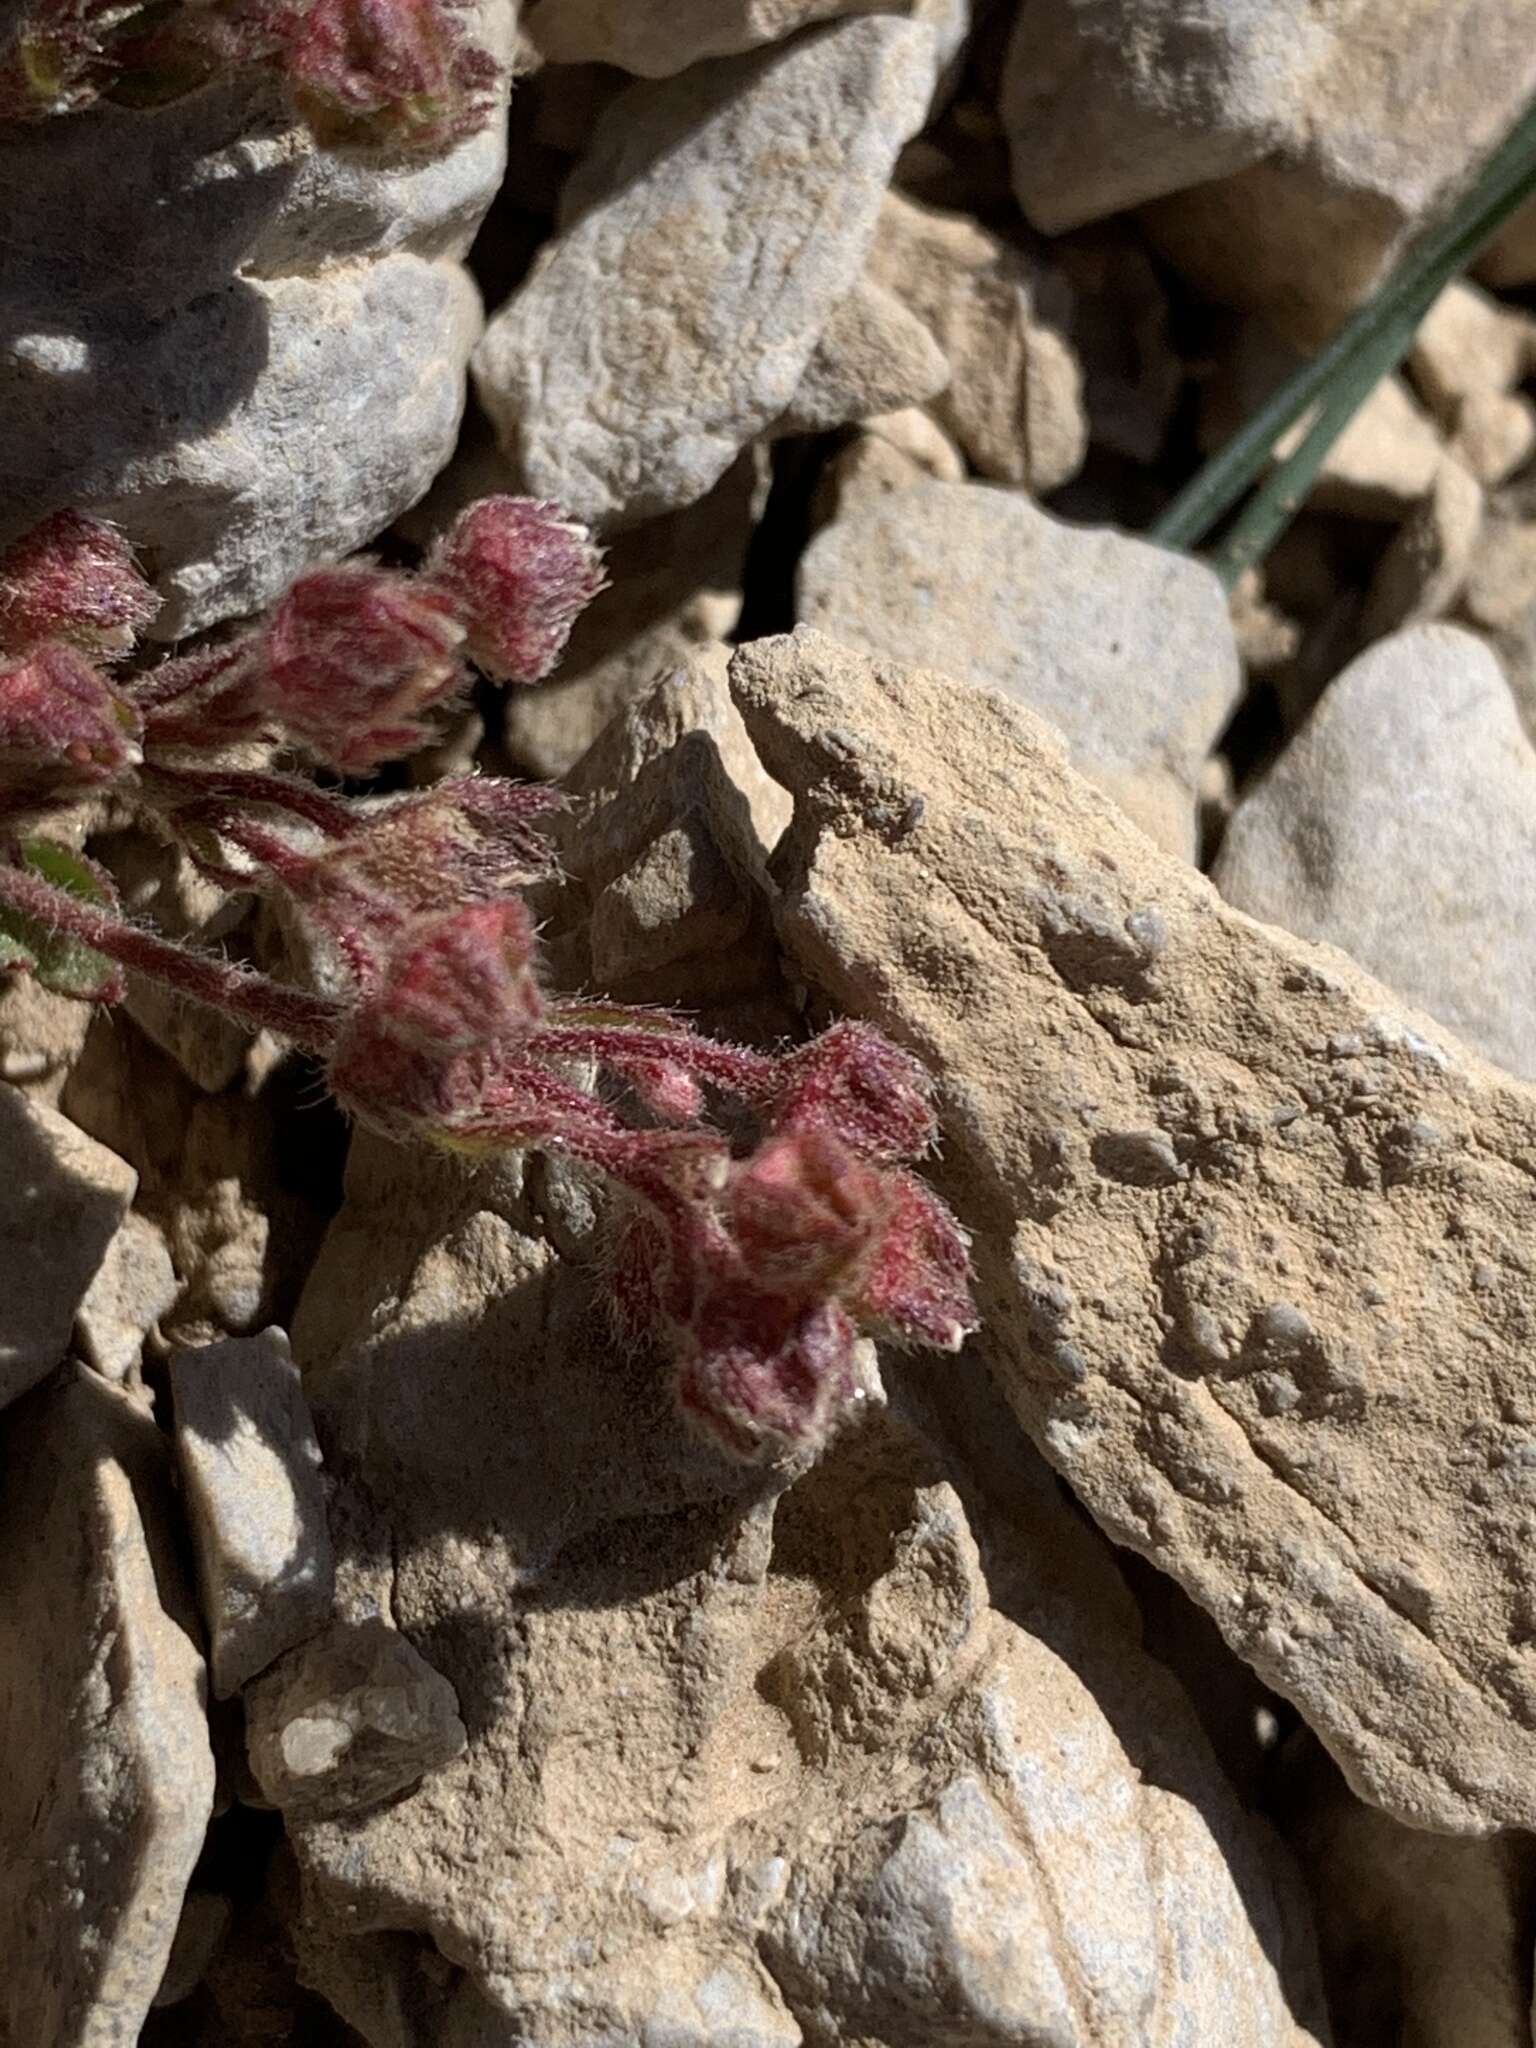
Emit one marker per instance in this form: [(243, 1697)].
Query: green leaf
[(58, 962)]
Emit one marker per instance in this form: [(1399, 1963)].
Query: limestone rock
[(893, 450), (350, 1717), (705, 240), (108, 1786), (41, 1036), (1132, 374), (228, 281), (134, 1286), (250, 1476), (1358, 835), (63, 1198), (200, 1932), (655, 38), (1002, 317), (1287, 114), (747, 1763), (1495, 434), (1124, 646), (873, 356), (1252, 1238)]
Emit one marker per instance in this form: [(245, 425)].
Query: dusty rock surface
[(775, 161), (744, 1764), (108, 1784), (1358, 835), (658, 37), (1127, 648), (1288, 115), (250, 1476), (1253, 1238)]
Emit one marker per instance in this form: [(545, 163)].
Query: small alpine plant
[(763, 1214)]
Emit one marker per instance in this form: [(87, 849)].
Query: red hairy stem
[(309, 1021), (751, 1075), (328, 814)]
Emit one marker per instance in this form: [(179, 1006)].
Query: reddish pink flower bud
[(462, 981), (855, 1084), (399, 72), (72, 578), (804, 1212), (774, 1388), (352, 658), (63, 728), (916, 1286), (519, 574)]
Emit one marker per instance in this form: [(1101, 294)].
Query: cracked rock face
[(1254, 1239), (704, 242), (108, 1784), (751, 1759)]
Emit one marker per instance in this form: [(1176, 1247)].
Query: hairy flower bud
[(350, 660), (463, 981), (769, 1387), (852, 1082), (72, 578), (63, 728), (392, 72), (519, 574)]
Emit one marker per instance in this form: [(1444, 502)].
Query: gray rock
[(63, 1199), (348, 1718), (250, 1475), (249, 351), (656, 38), (1126, 647), (718, 220), (1249, 110), (1359, 834), (108, 1784)]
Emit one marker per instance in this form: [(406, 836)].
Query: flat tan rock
[(657, 37), (1254, 1240), (108, 1785)]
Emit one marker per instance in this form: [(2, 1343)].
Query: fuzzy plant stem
[(301, 800), (308, 1021), (1367, 348)]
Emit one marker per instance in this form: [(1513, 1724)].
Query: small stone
[(135, 1285), (41, 1035), (347, 1719), (1132, 373), (1385, 462), (1357, 835), (873, 356), (63, 1199), (108, 1785), (1425, 568), (1126, 647), (1495, 435), (250, 1474), (718, 220), (899, 449), (1002, 315), (1468, 343)]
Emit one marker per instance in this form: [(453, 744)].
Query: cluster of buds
[(392, 74), (764, 1217)]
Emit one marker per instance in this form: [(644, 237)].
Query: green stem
[(1507, 179)]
